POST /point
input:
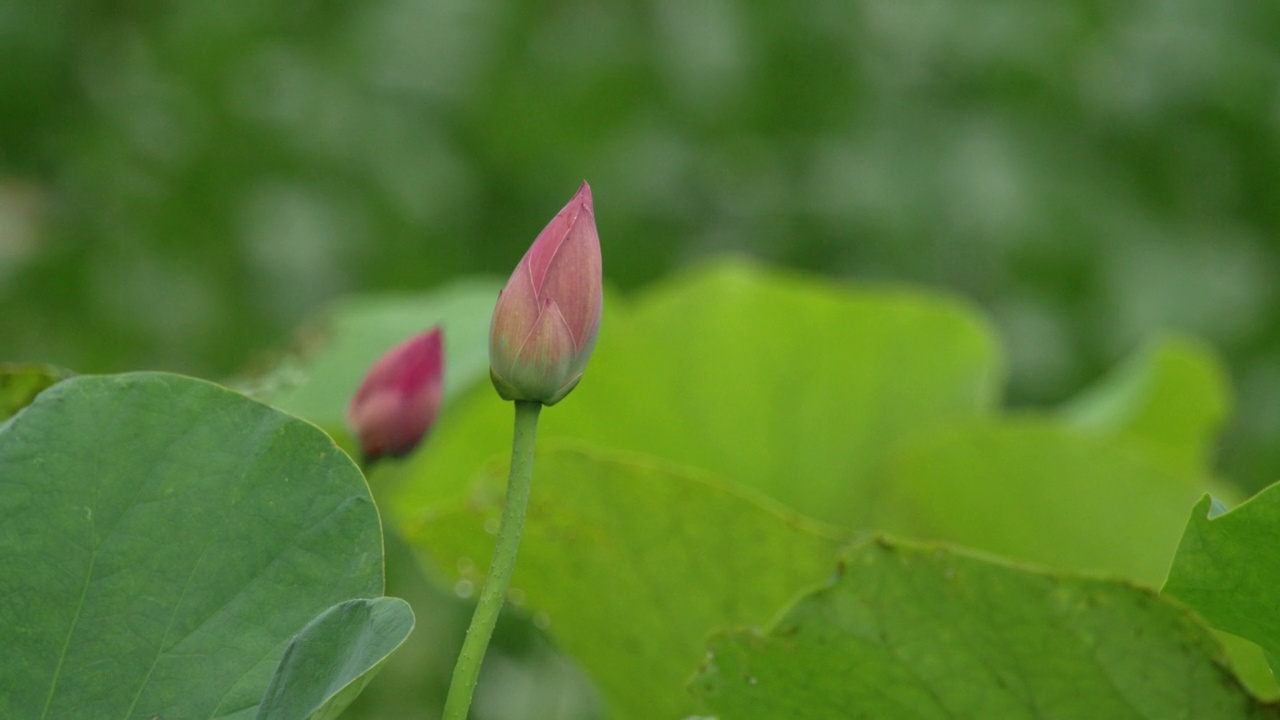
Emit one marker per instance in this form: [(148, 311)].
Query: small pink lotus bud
[(547, 318), (399, 398)]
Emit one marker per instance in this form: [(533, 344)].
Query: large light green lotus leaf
[(917, 633), (631, 563), (340, 349), (1031, 489), (21, 382), (1227, 567), (758, 376), (161, 541), (1169, 400), (331, 660)]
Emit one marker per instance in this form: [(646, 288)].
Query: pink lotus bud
[(399, 398), (545, 325)]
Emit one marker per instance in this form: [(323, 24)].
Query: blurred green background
[(181, 184)]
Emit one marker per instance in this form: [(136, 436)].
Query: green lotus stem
[(504, 561)]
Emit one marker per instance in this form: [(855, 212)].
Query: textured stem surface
[(504, 562)]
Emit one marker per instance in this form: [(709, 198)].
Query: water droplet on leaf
[(464, 588)]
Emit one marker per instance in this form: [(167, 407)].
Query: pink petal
[(548, 243), (399, 398), (544, 360)]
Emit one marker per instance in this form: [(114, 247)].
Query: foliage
[(916, 633), (1227, 565), (780, 378), (20, 383), (677, 554), (697, 537), (163, 540), (308, 683), (862, 408)]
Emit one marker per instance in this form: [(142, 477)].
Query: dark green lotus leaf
[(162, 539), (334, 657)]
